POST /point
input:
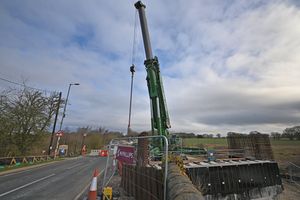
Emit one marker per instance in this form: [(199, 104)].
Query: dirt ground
[(291, 191), (118, 192)]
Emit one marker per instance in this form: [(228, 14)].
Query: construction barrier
[(140, 178), (142, 182), (107, 193), (11, 161)]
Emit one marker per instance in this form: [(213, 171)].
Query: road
[(60, 180)]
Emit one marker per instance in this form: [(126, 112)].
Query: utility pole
[(54, 125)]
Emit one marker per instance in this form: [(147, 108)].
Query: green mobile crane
[(160, 121)]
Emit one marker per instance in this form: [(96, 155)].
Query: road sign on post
[(59, 133), (83, 150)]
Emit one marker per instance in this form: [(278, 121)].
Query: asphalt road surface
[(60, 180)]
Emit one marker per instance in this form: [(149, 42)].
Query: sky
[(226, 65)]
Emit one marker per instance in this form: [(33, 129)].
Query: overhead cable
[(23, 85)]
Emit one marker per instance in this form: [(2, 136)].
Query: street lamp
[(65, 107), (63, 116)]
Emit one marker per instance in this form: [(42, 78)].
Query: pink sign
[(125, 154)]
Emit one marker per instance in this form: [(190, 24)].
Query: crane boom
[(160, 120)]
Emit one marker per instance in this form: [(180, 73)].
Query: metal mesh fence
[(294, 173), (143, 182), (142, 164)]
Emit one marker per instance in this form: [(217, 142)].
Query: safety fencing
[(142, 182), (142, 164), (12, 161), (294, 173)]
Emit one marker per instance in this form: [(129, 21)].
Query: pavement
[(67, 179)]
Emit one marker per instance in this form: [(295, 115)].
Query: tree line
[(26, 117), (292, 133), (93, 138)]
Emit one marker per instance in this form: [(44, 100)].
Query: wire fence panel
[(294, 173), (142, 164), (142, 182)]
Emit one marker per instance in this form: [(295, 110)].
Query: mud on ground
[(291, 191)]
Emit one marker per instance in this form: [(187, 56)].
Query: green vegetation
[(95, 139), (205, 142), (25, 116), (286, 150)]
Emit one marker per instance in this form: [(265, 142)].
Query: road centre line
[(75, 166), (28, 184)]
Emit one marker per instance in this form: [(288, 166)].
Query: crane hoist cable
[(132, 70)]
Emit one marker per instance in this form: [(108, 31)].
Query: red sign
[(59, 133), (125, 154), (103, 153)]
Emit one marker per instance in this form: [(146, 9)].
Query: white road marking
[(75, 165), (85, 188), (18, 188), (26, 170)]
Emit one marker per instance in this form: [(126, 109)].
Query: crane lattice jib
[(159, 113)]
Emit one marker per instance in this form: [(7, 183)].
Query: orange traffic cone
[(93, 188)]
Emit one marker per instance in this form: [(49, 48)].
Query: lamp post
[(63, 116)]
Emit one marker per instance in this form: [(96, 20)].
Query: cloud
[(227, 66)]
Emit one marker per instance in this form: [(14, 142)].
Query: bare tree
[(26, 114)]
